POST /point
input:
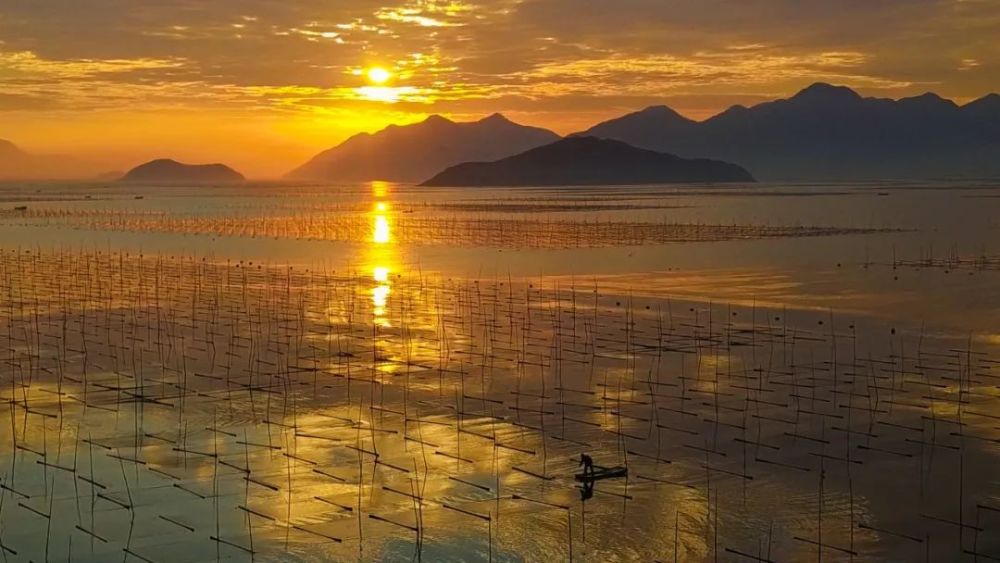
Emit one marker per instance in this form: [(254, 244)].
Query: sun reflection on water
[(380, 188), (381, 255), (381, 231)]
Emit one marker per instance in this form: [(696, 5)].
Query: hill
[(171, 172), (412, 153), (589, 161)]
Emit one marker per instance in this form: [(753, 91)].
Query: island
[(588, 161), (171, 172)]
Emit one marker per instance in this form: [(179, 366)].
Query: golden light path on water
[(381, 256)]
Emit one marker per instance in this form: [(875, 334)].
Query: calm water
[(383, 372)]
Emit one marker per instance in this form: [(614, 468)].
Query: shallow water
[(384, 372)]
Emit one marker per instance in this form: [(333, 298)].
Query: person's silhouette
[(588, 464)]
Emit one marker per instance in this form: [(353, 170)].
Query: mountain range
[(823, 132), (586, 161), (829, 132), (414, 153)]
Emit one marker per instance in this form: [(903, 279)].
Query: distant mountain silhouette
[(830, 132), (412, 153), (10, 150), (171, 172), (18, 164), (589, 161)]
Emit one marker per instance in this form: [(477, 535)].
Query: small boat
[(21, 208), (602, 473)]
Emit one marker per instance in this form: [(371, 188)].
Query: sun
[(379, 75)]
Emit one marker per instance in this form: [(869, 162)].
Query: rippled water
[(384, 372)]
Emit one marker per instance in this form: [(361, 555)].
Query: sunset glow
[(264, 86)]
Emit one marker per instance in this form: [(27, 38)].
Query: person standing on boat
[(588, 464)]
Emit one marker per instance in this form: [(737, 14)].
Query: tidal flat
[(383, 372)]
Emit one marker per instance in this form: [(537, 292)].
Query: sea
[(386, 372)]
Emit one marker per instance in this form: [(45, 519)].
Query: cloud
[(28, 64)]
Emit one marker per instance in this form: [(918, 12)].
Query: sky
[(263, 85)]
